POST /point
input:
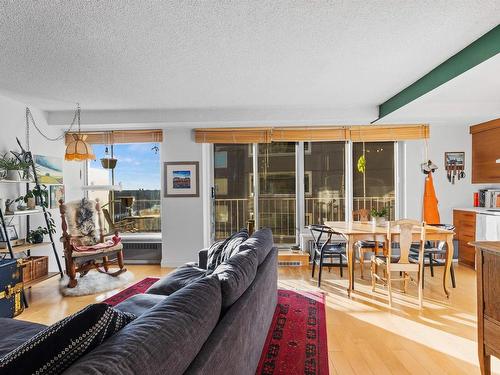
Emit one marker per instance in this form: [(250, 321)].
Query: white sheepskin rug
[(95, 282)]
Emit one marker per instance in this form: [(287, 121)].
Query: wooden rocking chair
[(82, 227)]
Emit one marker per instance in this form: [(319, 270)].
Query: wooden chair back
[(361, 215), (403, 229)]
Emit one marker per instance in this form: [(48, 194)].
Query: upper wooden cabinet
[(485, 152)]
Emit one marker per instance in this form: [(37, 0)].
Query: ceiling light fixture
[(78, 149)]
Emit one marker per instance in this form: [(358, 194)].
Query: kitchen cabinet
[(485, 152), (488, 302), (465, 232)]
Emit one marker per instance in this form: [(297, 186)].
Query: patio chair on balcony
[(324, 247), (364, 247)]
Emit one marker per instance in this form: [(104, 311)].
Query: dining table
[(355, 231)]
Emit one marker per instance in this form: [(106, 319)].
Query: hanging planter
[(108, 162)]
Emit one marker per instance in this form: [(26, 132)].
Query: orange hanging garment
[(431, 211)]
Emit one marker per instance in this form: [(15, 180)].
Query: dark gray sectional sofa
[(188, 323)]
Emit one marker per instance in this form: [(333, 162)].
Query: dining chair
[(365, 247), (400, 231), (434, 252), (323, 247)]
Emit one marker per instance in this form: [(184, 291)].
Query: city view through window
[(137, 207)]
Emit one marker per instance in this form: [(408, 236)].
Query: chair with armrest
[(326, 247), (85, 245)]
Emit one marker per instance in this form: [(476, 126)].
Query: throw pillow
[(55, 348), (232, 246), (215, 252)]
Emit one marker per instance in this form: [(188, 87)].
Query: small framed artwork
[(56, 194), (181, 179), (11, 233), (454, 159)]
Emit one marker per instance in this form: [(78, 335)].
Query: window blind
[(355, 133), (120, 136), (233, 135)]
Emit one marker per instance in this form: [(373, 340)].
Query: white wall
[(182, 218), (444, 137), (12, 125)]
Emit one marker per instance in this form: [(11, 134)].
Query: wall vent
[(294, 263)]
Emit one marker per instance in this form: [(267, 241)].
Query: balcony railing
[(279, 213), (144, 216)]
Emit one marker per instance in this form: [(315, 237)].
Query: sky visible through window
[(138, 165)]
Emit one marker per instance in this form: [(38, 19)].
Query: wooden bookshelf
[(23, 248)]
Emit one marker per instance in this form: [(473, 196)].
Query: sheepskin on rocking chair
[(85, 245)]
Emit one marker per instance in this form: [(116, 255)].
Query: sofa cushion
[(220, 250), (16, 332), (140, 303), (214, 254), (235, 275), (176, 280), (164, 340), (231, 247), (261, 241), (55, 348)]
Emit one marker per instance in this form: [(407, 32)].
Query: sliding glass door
[(324, 182), (295, 189), (277, 190), (234, 204), (373, 176)]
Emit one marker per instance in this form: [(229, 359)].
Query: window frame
[(399, 183)]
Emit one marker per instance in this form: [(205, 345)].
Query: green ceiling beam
[(474, 54)]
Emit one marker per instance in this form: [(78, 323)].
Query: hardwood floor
[(365, 337)]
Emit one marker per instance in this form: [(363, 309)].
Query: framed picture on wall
[(56, 194), (454, 159), (181, 179), (49, 169), (11, 232)]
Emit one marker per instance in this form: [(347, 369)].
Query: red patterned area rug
[(296, 342), (137, 288)]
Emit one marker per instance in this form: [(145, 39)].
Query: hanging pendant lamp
[(78, 149)]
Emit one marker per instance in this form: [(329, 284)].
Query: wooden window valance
[(120, 136), (355, 133), (311, 134), (379, 133), (233, 135)]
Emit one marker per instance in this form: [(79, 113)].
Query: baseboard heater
[(142, 252), (295, 263)]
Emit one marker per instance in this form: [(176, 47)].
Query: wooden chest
[(488, 302), (11, 288)]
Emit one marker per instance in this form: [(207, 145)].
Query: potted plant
[(379, 216), (34, 196), (13, 166), (36, 235)]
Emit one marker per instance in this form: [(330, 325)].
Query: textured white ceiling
[(340, 57)]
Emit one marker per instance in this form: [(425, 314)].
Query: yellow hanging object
[(78, 149), (362, 164)]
